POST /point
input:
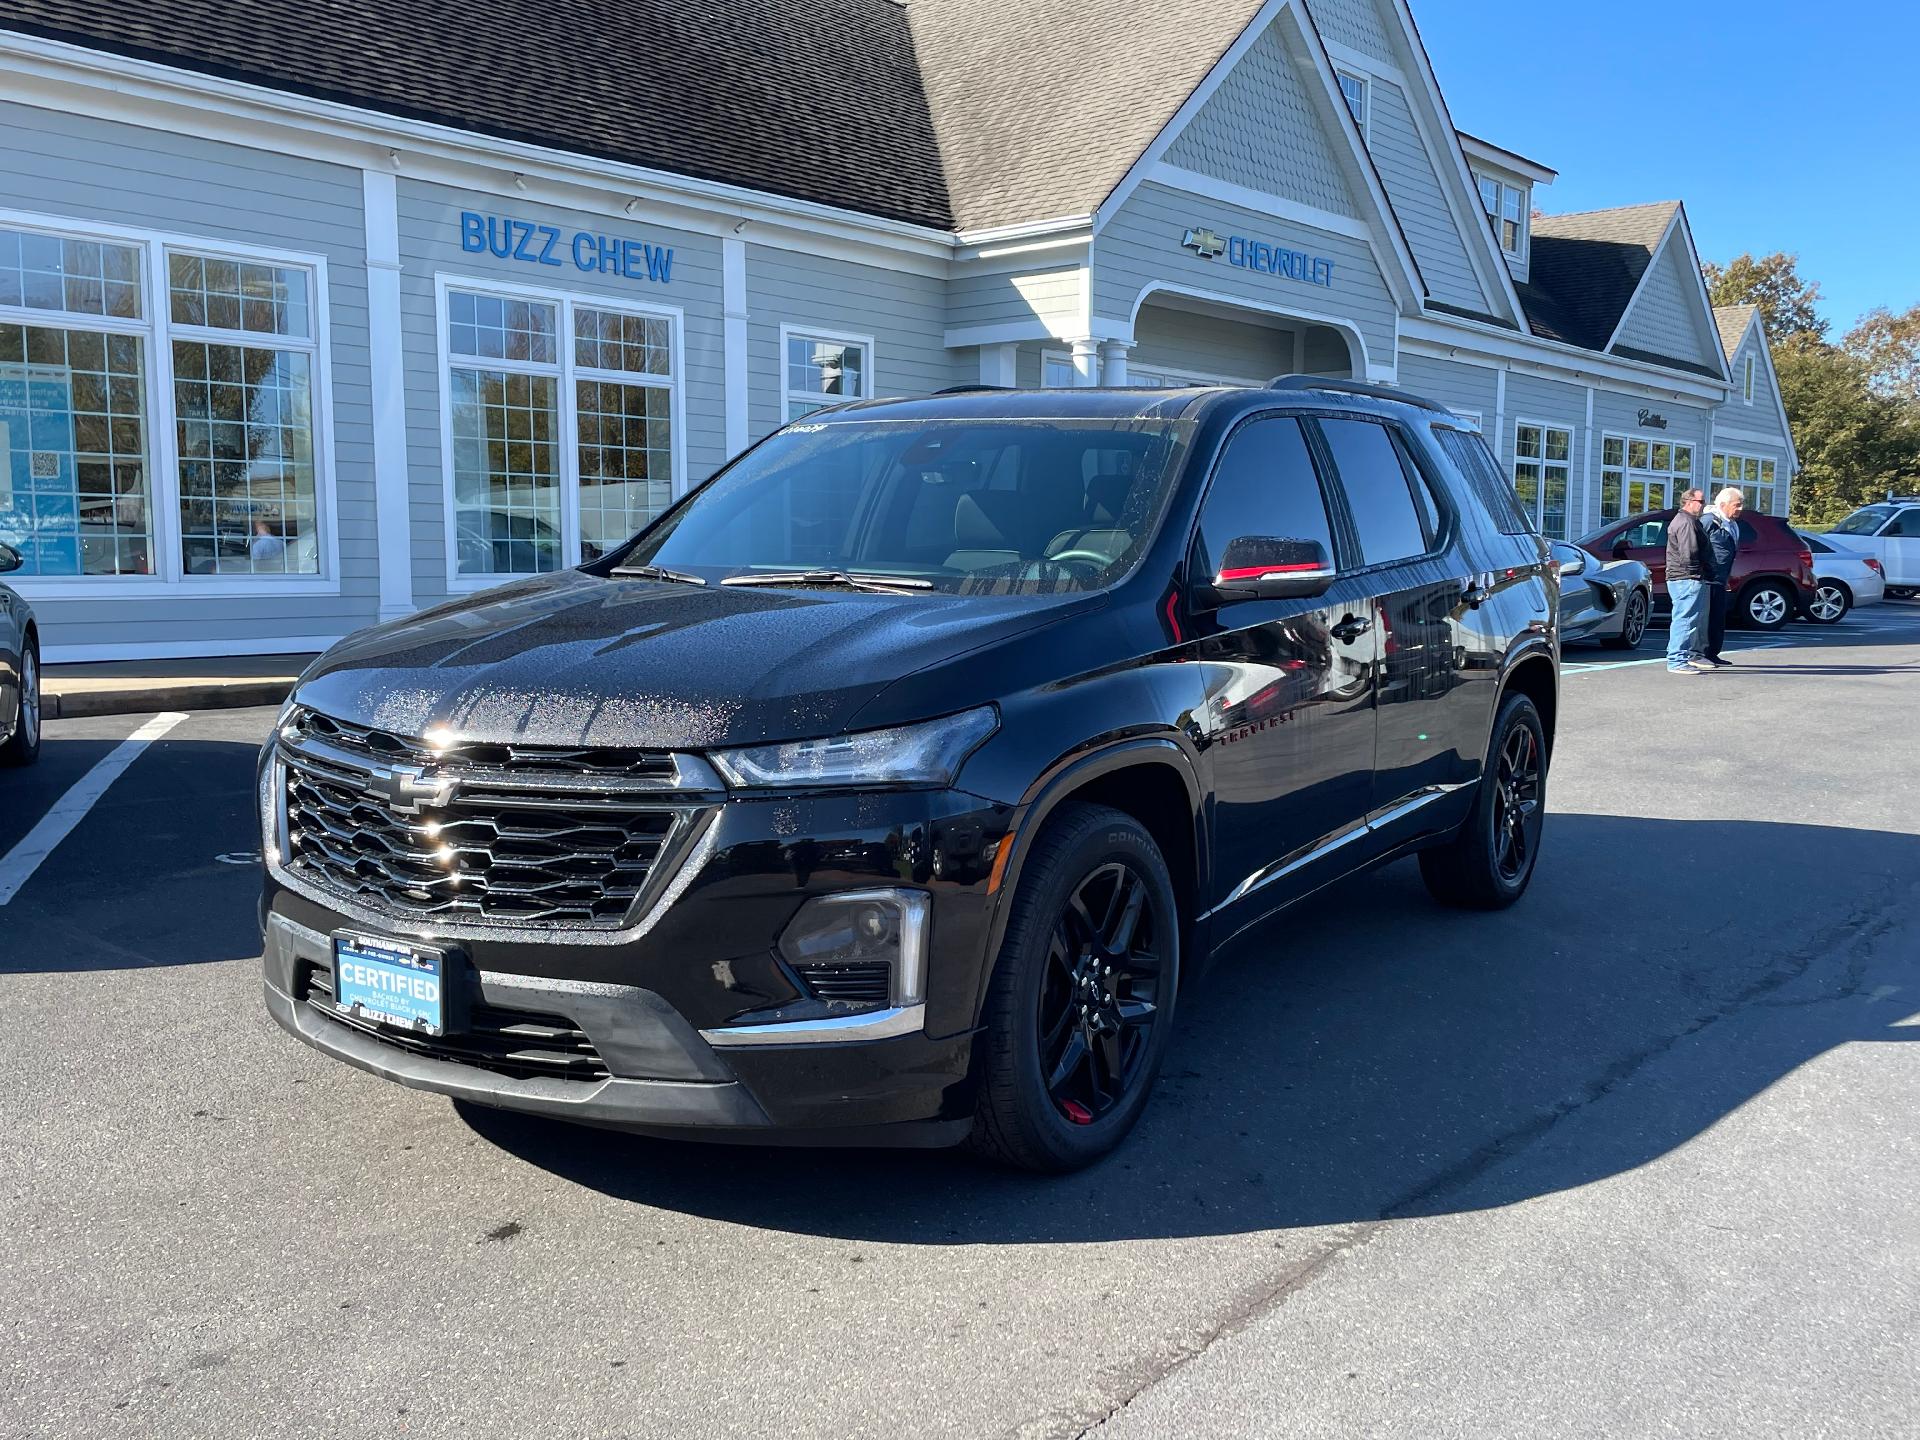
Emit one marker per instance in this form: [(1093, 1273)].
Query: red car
[(1772, 578)]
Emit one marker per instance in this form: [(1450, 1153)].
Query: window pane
[(237, 295), (1526, 487), (1751, 471), (1553, 500), (501, 329), (74, 494), (1719, 467), (1526, 442), (1613, 451), (825, 367), (605, 340), (1355, 89), (1265, 487), (626, 460), (1559, 444), (1489, 195), (1663, 458), (1766, 472), (1683, 460), (1639, 455), (1056, 374), (82, 277), (1377, 490), (506, 485), (1612, 486), (245, 422)]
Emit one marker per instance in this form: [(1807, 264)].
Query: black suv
[(889, 787)]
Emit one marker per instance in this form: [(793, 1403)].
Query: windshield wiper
[(880, 583), (655, 572)]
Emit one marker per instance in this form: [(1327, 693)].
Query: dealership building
[(312, 318)]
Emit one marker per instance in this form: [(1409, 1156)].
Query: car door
[(1403, 546), (1646, 541), (1901, 540), (1288, 720)]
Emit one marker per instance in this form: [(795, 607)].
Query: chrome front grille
[(484, 834)]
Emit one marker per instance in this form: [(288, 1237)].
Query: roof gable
[(819, 100), (1669, 317), (1587, 268), (1733, 322)]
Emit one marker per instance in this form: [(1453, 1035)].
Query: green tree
[(1788, 304), (1855, 442), (1889, 345)]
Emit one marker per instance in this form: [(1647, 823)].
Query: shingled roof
[(1586, 268), (818, 100), (1732, 322)]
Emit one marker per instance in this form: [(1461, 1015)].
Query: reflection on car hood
[(573, 659)]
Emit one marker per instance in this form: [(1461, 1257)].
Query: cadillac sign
[(1268, 259)]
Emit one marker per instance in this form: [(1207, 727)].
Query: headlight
[(926, 754)]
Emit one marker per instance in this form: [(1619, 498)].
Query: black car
[(889, 787)]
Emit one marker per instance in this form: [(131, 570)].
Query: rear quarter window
[(1477, 465)]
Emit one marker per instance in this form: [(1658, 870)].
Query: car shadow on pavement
[(140, 880), (1371, 1055)]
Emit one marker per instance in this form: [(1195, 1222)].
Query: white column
[(1086, 362), (1113, 361), (392, 514), (733, 340), (999, 365)]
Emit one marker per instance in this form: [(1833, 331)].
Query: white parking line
[(20, 862), (1598, 665)]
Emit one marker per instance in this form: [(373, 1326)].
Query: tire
[(1831, 602), (1766, 605), (1633, 625), (1490, 860), (24, 747), (1024, 1117)]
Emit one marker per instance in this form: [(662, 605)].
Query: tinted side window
[(1907, 526), (1749, 537), (1378, 492), (1265, 484), (1472, 458)]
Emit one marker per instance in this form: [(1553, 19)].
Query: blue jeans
[(1687, 640)]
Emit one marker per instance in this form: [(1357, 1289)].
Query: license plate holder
[(395, 982)]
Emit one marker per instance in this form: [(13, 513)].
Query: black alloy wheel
[(1633, 624), (1489, 861), (1080, 1004), (1517, 810), (1098, 1000)]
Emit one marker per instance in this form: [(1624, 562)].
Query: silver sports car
[(1609, 601), (19, 672)]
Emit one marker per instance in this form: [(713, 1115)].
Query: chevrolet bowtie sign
[(1245, 254), (1204, 243)]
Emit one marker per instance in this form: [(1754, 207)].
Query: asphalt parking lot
[(1636, 1157)]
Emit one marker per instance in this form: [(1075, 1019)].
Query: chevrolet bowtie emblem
[(1204, 243), (408, 791)]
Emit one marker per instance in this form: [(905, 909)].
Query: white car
[(1842, 579), (1890, 533)]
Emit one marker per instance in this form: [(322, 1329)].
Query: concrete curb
[(138, 699)]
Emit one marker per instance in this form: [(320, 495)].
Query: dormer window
[(1506, 207), (1354, 87)]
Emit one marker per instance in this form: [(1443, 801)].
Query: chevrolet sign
[(1245, 254), (1204, 243)]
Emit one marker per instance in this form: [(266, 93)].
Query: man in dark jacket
[(1721, 521), (1689, 562)]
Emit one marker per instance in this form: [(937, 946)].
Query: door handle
[(1351, 629)]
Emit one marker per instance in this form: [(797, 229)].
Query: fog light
[(864, 927)]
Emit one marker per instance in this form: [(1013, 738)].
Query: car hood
[(575, 659)]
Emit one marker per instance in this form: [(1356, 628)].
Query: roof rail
[(1355, 387), (975, 389)]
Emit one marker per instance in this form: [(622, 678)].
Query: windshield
[(962, 506), (1863, 522)]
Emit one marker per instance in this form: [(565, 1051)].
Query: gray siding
[(430, 246), (1413, 185), (78, 168), (1233, 137), (1669, 316), (1562, 406), (905, 314), (1051, 297), (1206, 345), (1762, 417), (1141, 246), (1356, 24), (1459, 387)]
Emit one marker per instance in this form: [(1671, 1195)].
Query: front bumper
[(695, 1025)]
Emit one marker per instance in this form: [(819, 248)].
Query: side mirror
[(1270, 567), (1620, 548), (1573, 565), (10, 559)]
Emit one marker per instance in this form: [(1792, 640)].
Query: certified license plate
[(391, 982)]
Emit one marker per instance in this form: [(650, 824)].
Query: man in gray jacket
[(1689, 562)]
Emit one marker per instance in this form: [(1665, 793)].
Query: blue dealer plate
[(390, 982)]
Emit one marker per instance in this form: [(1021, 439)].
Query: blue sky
[(1783, 127)]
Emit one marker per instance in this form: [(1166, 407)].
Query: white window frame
[(1747, 386), (1628, 439), (1539, 514), (795, 331), (1749, 488), (1497, 216), (568, 440), (156, 328), (1363, 115)]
